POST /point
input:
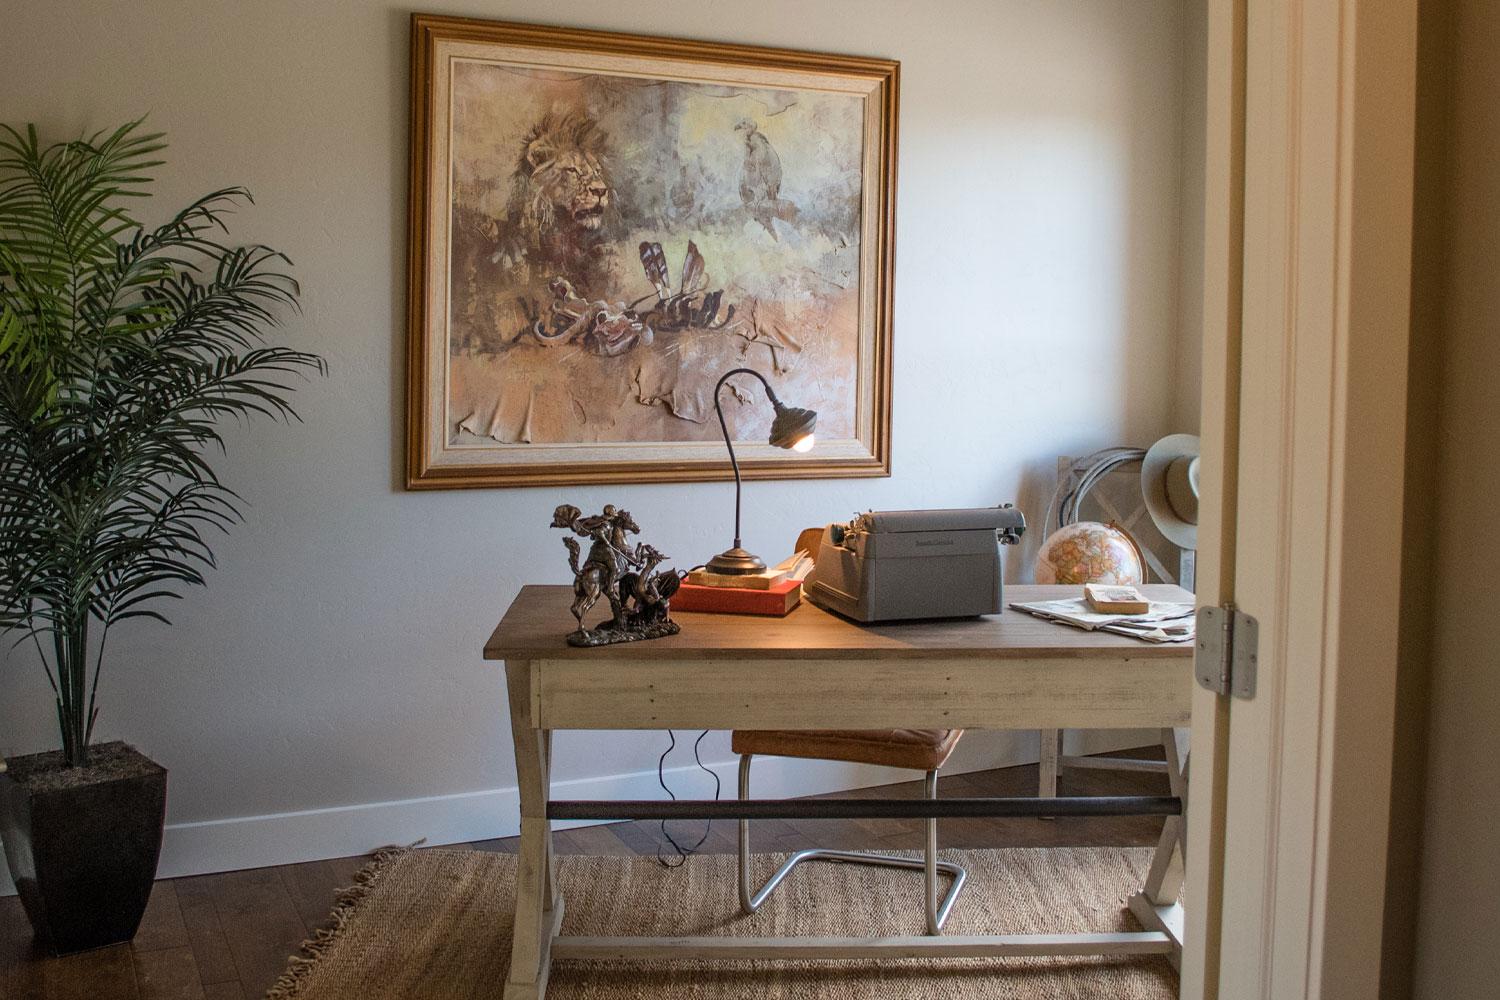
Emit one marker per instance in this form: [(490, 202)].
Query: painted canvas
[(607, 234)]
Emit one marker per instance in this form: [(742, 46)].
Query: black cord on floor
[(681, 852)]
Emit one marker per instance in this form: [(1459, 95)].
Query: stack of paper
[(1165, 622)]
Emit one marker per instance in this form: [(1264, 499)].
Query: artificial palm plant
[(122, 349)]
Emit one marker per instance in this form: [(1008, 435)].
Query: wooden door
[(1304, 426)]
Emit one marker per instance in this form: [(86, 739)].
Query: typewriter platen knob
[(1010, 533)]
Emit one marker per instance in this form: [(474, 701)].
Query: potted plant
[(121, 348)]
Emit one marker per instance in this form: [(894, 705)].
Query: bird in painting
[(760, 178)]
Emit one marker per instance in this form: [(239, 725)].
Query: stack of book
[(774, 591)]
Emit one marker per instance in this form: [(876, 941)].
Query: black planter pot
[(82, 844)]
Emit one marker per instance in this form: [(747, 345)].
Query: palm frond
[(122, 351)]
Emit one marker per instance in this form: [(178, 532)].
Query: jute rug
[(436, 924)]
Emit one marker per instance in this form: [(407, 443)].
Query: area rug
[(436, 924)]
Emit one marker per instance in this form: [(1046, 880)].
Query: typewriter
[(904, 564)]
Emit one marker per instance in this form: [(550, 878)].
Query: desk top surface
[(538, 619)]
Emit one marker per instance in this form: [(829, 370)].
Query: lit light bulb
[(804, 445)]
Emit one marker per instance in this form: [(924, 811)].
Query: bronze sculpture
[(638, 593)]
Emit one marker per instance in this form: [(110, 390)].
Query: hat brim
[(1183, 534)]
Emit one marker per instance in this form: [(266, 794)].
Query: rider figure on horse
[(609, 549), (609, 555)]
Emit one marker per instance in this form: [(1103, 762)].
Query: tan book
[(1108, 599), (793, 567), (764, 580)]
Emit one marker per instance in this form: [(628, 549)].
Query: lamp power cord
[(680, 856)]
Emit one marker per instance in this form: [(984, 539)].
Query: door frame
[(1311, 112), (1223, 283)]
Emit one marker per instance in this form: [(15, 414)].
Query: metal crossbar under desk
[(871, 808)]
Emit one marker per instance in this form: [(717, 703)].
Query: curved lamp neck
[(723, 426)]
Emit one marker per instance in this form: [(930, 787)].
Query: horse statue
[(615, 570)]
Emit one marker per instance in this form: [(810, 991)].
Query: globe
[(1090, 552)]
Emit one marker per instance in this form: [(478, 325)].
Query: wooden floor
[(228, 936)]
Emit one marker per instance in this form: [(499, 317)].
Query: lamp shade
[(792, 426)]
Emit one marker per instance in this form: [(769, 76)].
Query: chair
[(1110, 480), (916, 749)]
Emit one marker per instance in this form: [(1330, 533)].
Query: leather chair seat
[(916, 749)]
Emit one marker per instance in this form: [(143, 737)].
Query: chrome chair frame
[(937, 912)]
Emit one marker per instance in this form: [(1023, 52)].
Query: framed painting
[(602, 225)]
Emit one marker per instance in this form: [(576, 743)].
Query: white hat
[(1169, 483)]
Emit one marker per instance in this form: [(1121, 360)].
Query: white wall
[(1460, 853), (334, 659), (1188, 374)]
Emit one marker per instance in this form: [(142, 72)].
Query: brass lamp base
[(736, 561)]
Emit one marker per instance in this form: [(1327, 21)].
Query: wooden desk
[(813, 670)]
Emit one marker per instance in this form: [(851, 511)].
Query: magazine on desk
[(1167, 621)]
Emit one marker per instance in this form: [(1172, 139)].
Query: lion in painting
[(561, 188), (556, 216)]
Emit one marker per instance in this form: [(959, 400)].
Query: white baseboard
[(343, 831)]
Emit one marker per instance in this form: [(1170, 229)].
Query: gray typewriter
[(902, 564)]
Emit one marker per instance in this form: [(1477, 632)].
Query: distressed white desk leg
[(1051, 749), (539, 904), (1156, 905)]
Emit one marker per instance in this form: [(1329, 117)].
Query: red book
[(777, 601)]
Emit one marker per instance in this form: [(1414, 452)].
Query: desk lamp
[(792, 429)]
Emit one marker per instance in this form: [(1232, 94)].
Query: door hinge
[(1225, 659)]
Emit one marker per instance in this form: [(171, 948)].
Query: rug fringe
[(345, 905)]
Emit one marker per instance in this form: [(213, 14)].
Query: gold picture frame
[(544, 160)]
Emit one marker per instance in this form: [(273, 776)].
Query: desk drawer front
[(844, 694)]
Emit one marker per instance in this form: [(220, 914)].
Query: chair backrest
[(1117, 497), (809, 540)]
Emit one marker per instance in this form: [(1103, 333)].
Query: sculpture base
[(607, 635)]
